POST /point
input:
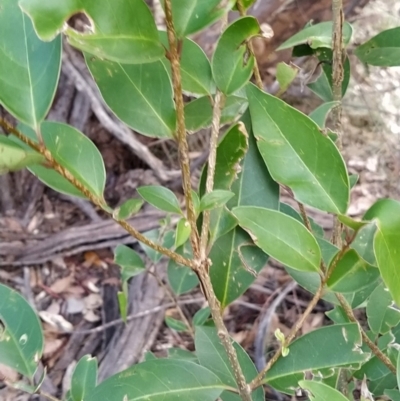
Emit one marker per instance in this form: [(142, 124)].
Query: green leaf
[(160, 380), (29, 67), (212, 355), (214, 199), (123, 32), (394, 395), (381, 314), (316, 36), (84, 378), (160, 197), (281, 236), (175, 324), (21, 338), (297, 154), (123, 302), (245, 4), (310, 352), (130, 262), (128, 209), (386, 242), (182, 279), (201, 316), (196, 73), (193, 16), (159, 236), (139, 95), (182, 232), (352, 274), (321, 392), (363, 243), (352, 223), (320, 114), (285, 75), (74, 151), (235, 264), (232, 65), (383, 50), (183, 354), (15, 157), (353, 178)]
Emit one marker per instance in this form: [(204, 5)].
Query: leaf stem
[(181, 128), (100, 202)]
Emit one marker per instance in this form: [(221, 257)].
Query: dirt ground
[(57, 251)]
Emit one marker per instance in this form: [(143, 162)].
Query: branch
[(93, 198)]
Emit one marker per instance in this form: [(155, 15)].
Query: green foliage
[(160, 197), (84, 378)]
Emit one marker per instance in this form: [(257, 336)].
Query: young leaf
[(214, 199), (196, 15), (281, 236), (297, 154), (212, 355), (320, 114), (15, 157), (123, 302), (352, 274), (182, 232), (201, 316), (232, 65), (364, 243), (122, 31), (84, 378), (160, 379), (174, 324), (74, 151), (128, 209), (318, 391), (196, 73), (130, 262), (29, 67), (139, 95), (21, 338), (383, 50), (344, 350), (386, 242), (316, 36), (160, 197)]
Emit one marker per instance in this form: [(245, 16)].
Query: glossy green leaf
[(364, 243), (378, 387), (245, 4), (386, 242), (338, 315), (352, 223), (15, 157), (323, 85), (140, 95), (74, 151), (353, 178), (84, 378), (196, 73), (231, 64), (352, 274), (297, 154), (160, 197), (310, 352), (235, 264), (123, 32), (285, 75), (29, 67), (201, 316), (128, 209), (212, 355), (281, 236), (182, 232), (320, 114), (316, 36), (193, 16), (182, 279), (175, 324), (21, 338), (214, 199), (318, 391), (130, 262), (381, 314), (383, 50), (394, 395), (160, 380), (183, 354)]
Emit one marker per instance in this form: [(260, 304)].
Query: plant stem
[(181, 128), (100, 202), (375, 350)]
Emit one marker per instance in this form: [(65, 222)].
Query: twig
[(98, 201), (48, 396), (375, 350), (183, 146)]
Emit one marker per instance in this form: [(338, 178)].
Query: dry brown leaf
[(93, 259), (62, 284)]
